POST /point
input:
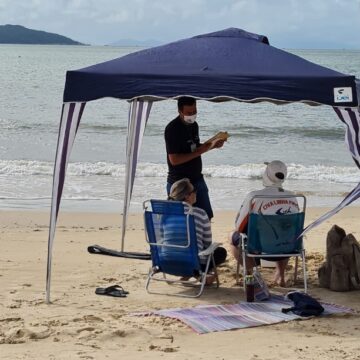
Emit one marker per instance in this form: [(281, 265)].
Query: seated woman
[(273, 178), (183, 190)]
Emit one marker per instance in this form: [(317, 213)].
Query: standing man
[(184, 151)]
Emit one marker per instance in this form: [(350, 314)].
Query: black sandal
[(113, 290)]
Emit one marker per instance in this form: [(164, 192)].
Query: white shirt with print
[(266, 206)]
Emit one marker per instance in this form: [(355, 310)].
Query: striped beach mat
[(208, 318)]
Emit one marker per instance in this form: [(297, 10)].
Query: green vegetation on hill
[(17, 34)]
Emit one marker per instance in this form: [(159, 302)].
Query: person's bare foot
[(280, 281), (210, 278)]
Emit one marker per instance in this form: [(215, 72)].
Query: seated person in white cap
[(273, 178)]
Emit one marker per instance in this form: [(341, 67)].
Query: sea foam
[(316, 172)]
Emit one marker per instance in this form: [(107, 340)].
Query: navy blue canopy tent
[(231, 64)]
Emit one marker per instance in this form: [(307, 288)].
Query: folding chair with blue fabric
[(171, 234), (270, 236)]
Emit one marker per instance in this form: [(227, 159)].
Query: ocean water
[(309, 139)]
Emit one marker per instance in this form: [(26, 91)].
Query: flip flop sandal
[(120, 288), (114, 290)]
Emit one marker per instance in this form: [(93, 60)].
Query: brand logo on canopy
[(342, 95)]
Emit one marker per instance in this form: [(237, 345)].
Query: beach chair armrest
[(210, 249), (243, 235), (242, 241)]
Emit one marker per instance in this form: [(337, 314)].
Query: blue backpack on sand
[(304, 305)]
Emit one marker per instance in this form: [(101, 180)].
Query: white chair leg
[(204, 275), (215, 271), (304, 271), (296, 268), (238, 266), (244, 264)]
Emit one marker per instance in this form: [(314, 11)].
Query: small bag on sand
[(261, 291), (304, 304)]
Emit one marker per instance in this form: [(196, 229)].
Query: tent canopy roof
[(228, 64)]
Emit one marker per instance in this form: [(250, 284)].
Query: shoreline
[(81, 324), (99, 186)]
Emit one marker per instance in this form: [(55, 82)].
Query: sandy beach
[(82, 325)]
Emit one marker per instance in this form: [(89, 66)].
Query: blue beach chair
[(170, 232), (275, 236)]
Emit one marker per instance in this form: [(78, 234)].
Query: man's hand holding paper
[(217, 141)]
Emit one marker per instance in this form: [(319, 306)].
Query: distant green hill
[(17, 34)]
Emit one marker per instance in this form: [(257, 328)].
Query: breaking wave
[(337, 174)]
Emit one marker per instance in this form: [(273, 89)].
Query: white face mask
[(190, 119)]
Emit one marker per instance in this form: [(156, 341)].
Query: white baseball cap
[(275, 173)]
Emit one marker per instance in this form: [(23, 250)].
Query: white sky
[(288, 23)]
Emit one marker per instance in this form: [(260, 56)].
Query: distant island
[(17, 34)]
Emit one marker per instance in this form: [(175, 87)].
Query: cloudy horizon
[(316, 24)]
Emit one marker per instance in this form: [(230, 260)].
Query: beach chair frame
[(182, 257), (267, 238)]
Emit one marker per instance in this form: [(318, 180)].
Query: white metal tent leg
[(69, 123), (138, 116)]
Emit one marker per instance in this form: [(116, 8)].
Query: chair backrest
[(276, 234), (170, 231)]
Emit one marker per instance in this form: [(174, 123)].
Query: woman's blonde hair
[(180, 189)]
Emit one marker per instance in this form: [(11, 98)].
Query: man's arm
[(178, 159)]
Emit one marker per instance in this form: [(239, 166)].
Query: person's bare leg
[(235, 251), (277, 274), (280, 272), (210, 278), (249, 262)]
